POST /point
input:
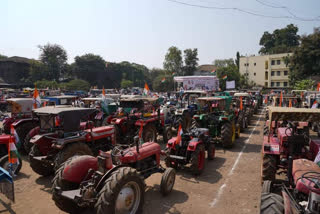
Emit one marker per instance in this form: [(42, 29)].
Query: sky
[(141, 31)]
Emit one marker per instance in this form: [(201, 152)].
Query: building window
[(272, 62), (285, 73), (272, 84), (266, 84), (278, 73), (278, 84), (272, 73), (254, 74), (254, 64), (285, 84), (278, 62), (245, 64), (266, 75)]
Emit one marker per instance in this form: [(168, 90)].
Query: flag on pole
[(315, 104), (280, 101), (241, 103), (178, 141), (13, 154), (103, 93), (225, 77), (174, 73), (318, 86), (16, 136), (213, 71), (36, 98), (163, 80), (290, 103), (146, 89)]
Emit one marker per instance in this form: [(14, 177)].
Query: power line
[(240, 10)]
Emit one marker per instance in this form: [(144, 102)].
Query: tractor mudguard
[(23, 121), (99, 133), (78, 168), (271, 147), (202, 116), (44, 144), (193, 144), (171, 143), (106, 176), (33, 132)]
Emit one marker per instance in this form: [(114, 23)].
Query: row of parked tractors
[(104, 167), (290, 169)]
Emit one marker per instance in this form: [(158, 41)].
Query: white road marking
[(220, 191)]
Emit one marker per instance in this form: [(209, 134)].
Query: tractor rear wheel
[(194, 124), (26, 143), (22, 132), (266, 187), (149, 133), (271, 203), (237, 130), (63, 204), (39, 167), (14, 169), (211, 151), (269, 167), (167, 134), (123, 192), (227, 133), (167, 181), (69, 151), (198, 160), (265, 130)]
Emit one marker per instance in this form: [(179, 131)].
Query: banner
[(207, 83), (230, 84)]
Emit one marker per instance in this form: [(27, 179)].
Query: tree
[(173, 61), (280, 41), (89, 67), (46, 84), (190, 61), (3, 56), (38, 71), (304, 84), (126, 83), (55, 58), (229, 68), (159, 85), (77, 84), (238, 59), (305, 61)]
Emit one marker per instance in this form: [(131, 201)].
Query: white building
[(269, 71)]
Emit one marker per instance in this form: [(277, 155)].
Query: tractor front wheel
[(167, 134), (63, 204), (211, 151), (13, 169), (198, 160), (123, 192), (271, 203), (149, 133), (71, 150), (39, 167), (167, 181), (269, 167), (227, 132)]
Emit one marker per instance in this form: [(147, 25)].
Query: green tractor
[(216, 114)]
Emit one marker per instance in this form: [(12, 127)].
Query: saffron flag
[(290, 103), (103, 93), (280, 101), (213, 71), (241, 103), (225, 77), (13, 154), (163, 80), (178, 141), (36, 99), (318, 86), (146, 89)]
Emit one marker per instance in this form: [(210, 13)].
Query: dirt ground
[(229, 184)]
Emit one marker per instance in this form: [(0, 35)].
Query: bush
[(76, 85), (46, 84), (126, 83)]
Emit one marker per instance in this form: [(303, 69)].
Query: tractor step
[(177, 157)]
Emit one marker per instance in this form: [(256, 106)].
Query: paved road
[(229, 184)]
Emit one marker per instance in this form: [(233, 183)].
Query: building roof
[(16, 59)]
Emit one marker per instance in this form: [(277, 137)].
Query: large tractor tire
[(194, 124), (71, 150), (22, 131), (271, 204), (242, 122), (211, 151), (269, 167), (63, 204), (198, 160), (14, 169), (167, 134), (266, 130), (227, 134), (40, 168), (123, 192), (26, 144), (149, 133)]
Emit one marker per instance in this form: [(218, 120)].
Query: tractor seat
[(299, 167)]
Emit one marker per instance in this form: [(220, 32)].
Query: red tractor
[(113, 182), (189, 148), (276, 148), (61, 138)]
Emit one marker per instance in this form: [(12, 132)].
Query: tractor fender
[(107, 175), (271, 146), (193, 144), (78, 168), (23, 121), (171, 143), (33, 132)]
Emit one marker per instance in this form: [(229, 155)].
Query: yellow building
[(269, 71)]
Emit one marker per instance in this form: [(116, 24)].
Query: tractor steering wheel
[(121, 150), (313, 178)]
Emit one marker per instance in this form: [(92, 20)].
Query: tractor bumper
[(177, 157), (42, 159)]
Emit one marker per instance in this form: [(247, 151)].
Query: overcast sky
[(141, 31)]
